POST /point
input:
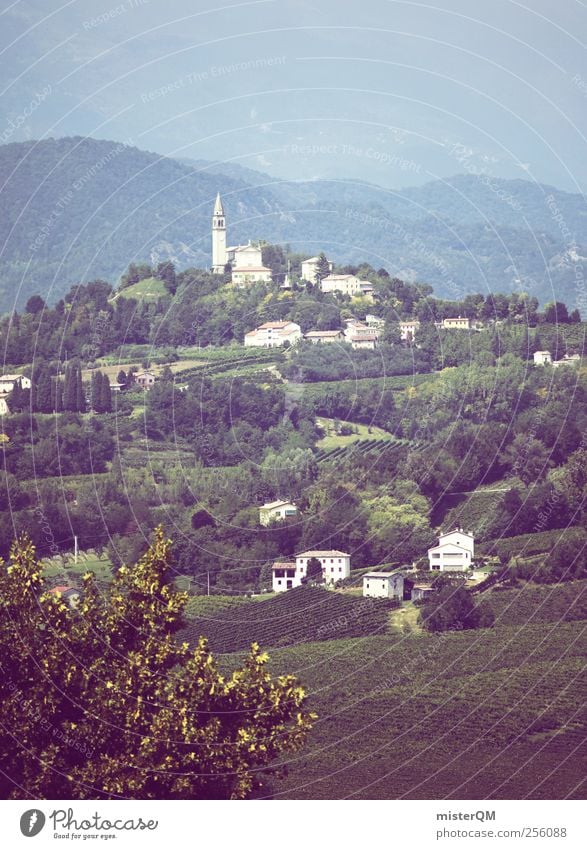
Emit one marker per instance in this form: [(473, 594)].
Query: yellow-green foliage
[(103, 702)]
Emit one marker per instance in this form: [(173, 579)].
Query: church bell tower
[(218, 237)]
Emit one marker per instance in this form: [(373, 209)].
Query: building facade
[(383, 585), (309, 268), (458, 323), (454, 553), (9, 381), (408, 329), (336, 566), (345, 284), (542, 358), (321, 337), (272, 334), (275, 511)]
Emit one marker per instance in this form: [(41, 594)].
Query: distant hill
[(75, 209)]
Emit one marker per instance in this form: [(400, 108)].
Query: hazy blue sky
[(388, 91)]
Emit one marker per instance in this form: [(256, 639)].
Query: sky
[(389, 91)]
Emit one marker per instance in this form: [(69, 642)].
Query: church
[(245, 260)]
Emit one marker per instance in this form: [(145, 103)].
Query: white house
[(9, 381), (383, 585), (272, 334), (408, 329), (336, 565), (145, 379), (345, 284), (366, 341), (542, 358), (320, 337), (275, 511), (4, 409), (454, 553), (458, 323), (309, 268)]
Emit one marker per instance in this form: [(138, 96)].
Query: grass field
[(148, 289), (333, 440), (64, 569)]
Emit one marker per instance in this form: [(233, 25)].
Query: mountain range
[(76, 209)]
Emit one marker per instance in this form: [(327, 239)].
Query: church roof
[(218, 208)]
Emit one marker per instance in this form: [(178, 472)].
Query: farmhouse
[(275, 511), (145, 379), (9, 381), (383, 585), (344, 284), (309, 268), (454, 552), (284, 576), (542, 358), (272, 334), (408, 329), (366, 341), (336, 565), (458, 323), (319, 337)]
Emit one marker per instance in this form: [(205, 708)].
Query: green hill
[(77, 209)]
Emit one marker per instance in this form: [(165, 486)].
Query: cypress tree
[(105, 395), (80, 396)]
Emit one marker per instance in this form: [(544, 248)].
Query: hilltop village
[(281, 404), (346, 465)]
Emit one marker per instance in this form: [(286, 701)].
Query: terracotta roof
[(324, 333), (275, 324), (272, 504), (330, 553), (284, 564)]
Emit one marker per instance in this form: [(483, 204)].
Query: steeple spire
[(218, 208)]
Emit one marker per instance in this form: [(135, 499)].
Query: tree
[(314, 573), (527, 458), (133, 713), (35, 305), (453, 609), (166, 272), (555, 312), (575, 317), (322, 268)]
